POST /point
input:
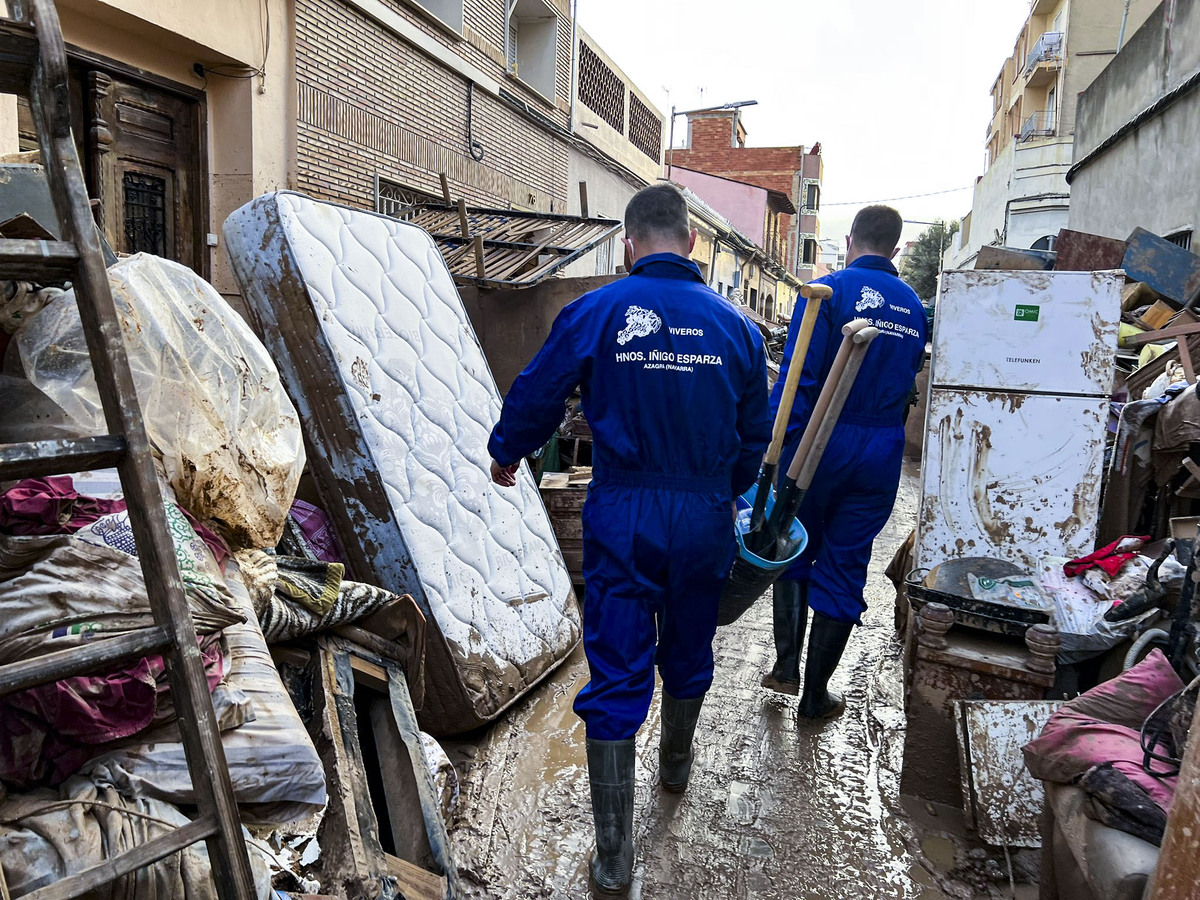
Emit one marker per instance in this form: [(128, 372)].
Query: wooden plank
[(37, 459), (46, 262), (583, 200), (139, 857), (368, 673), (464, 225), (479, 267), (445, 188), (1164, 334), (83, 660), (415, 883), (1011, 259)]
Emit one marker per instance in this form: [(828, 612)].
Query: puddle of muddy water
[(776, 808)]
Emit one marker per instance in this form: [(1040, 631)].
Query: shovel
[(783, 538), (857, 338), (761, 540), (814, 294)]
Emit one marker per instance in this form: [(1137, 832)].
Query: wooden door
[(143, 147)]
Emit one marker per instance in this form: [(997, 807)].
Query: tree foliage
[(923, 263)]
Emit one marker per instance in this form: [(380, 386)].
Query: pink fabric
[(50, 506), (1104, 725), (48, 732), (318, 532)]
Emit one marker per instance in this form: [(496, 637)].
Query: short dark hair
[(877, 228), (659, 210)]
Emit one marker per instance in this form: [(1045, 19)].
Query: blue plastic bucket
[(752, 575)]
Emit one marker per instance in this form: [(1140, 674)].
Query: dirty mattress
[(397, 401)]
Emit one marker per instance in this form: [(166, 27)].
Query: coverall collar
[(871, 261), (667, 265)]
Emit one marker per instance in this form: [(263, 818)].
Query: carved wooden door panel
[(143, 147)]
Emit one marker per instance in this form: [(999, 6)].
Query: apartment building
[(1022, 199), (716, 145), (181, 112), (186, 111)]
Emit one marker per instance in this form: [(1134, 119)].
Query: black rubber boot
[(790, 616), (611, 773), (826, 642), (675, 741)]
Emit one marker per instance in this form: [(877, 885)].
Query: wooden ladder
[(33, 63)]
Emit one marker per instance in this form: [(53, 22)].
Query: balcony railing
[(1039, 124), (1048, 47)]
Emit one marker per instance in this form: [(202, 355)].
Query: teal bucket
[(752, 575)]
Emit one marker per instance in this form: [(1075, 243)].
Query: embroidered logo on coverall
[(638, 323), (869, 299)]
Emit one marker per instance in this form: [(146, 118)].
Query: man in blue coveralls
[(854, 488), (674, 385)]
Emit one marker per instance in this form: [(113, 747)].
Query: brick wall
[(368, 104)]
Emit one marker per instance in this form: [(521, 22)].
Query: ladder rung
[(84, 659), (39, 458), (18, 52), (45, 262), (110, 870)]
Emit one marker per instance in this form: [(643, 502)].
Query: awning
[(508, 248)]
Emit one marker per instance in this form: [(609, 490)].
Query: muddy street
[(774, 809)]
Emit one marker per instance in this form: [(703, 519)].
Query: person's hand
[(505, 476)]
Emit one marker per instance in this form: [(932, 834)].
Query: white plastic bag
[(213, 405)]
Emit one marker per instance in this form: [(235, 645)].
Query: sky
[(897, 93)]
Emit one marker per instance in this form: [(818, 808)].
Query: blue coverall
[(855, 485), (674, 386)]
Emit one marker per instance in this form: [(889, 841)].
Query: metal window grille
[(1181, 238), (645, 128), (600, 88), (392, 199), (145, 200)]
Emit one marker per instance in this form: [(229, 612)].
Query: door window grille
[(145, 202)]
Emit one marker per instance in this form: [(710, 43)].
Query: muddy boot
[(675, 741), (611, 773), (790, 615), (826, 642)]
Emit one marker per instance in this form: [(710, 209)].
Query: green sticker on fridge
[(1026, 313)]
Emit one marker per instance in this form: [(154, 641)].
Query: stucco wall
[(744, 205), (249, 120), (1150, 178)]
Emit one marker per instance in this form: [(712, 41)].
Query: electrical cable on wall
[(473, 146), (237, 71)]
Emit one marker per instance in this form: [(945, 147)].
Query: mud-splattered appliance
[(1014, 447)]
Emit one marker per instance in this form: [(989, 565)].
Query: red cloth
[(47, 732), (1106, 558), (50, 506)]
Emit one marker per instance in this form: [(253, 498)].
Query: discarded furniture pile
[(1053, 555), (357, 583)]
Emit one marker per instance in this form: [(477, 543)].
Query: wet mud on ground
[(775, 809)]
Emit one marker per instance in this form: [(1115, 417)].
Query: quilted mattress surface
[(398, 401)]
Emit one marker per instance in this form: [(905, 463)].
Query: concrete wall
[(744, 205), (1150, 178), (1017, 201), (608, 194)]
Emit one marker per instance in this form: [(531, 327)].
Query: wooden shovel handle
[(814, 293), (850, 333)]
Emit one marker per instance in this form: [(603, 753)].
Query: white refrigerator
[(1020, 379)]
